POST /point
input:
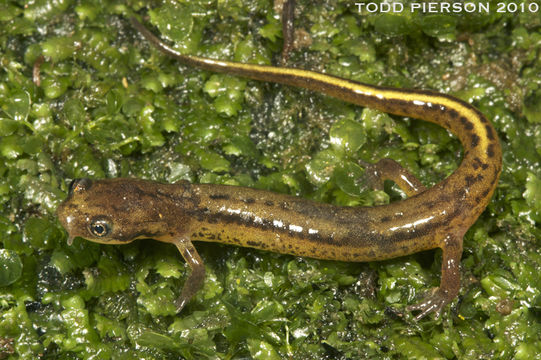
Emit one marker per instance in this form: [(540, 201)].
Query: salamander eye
[(100, 228)]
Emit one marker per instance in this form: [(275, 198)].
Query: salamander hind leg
[(388, 169), (195, 280), (288, 29), (450, 279)]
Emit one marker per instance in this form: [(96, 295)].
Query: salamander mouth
[(67, 223), (67, 220)]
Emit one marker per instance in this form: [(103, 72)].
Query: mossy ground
[(108, 105)]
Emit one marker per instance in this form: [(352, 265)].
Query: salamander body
[(118, 211)]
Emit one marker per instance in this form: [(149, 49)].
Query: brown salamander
[(118, 211)]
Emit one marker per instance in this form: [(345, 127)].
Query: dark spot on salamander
[(470, 180), (490, 132), (466, 123), (481, 117), (219, 196), (490, 151), (453, 113), (474, 140), (269, 203), (248, 201), (477, 163)]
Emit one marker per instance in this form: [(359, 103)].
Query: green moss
[(10, 267), (110, 105), (58, 49)]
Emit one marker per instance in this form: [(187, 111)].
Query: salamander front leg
[(195, 280), (388, 169), (450, 279)]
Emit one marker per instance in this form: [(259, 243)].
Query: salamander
[(120, 210)]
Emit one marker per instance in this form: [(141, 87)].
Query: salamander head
[(114, 211)]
